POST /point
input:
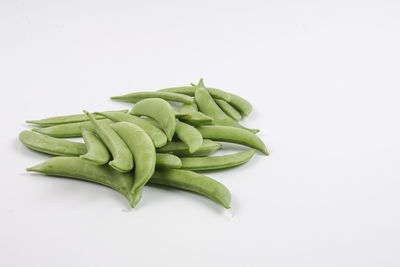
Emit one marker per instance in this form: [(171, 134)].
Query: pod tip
[(32, 169)]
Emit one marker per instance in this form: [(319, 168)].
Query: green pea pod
[(142, 149), (180, 149), (66, 119), (75, 167), (188, 107), (138, 96), (194, 118), (208, 106), (239, 103), (78, 168), (96, 151), (228, 109), (189, 90), (194, 182), (51, 145), (167, 161), (217, 162), (122, 156), (233, 135), (157, 135), (160, 110), (68, 130), (189, 135)]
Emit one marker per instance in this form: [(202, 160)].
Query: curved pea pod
[(142, 149), (122, 156), (51, 145), (188, 107), (216, 162), (194, 118), (78, 168), (96, 151), (168, 161), (194, 182), (239, 103), (180, 149), (228, 109), (160, 110), (66, 119), (168, 96), (189, 90), (208, 106), (233, 135), (189, 135), (156, 134), (68, 130)]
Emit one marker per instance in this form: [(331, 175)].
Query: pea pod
[(157, 135), (51, 145), (160, 110), (239, 103), (78, 168), (168, 96), (194, 182), (167, 161), (142, 149), (66, 119), (189, 90), (96, 151), (189, 135), (228, 109), (122, 156), (233, 135), (75, 167), (68, 130), (208, 106), (216, 162), (194, 118), (188, 107), (180, 149)]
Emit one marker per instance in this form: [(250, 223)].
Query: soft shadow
[(215, 207)]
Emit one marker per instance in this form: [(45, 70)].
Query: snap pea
[(96, 151), (142, 149), (154, 123), (51, 145), (208, 106), (194, 118), (239, 103), (194, 182), (180, 149), (122, 156), (189, 90), (157, 135), (66, 119), (188, 107), (78, 168), (75, 167), (216, 162), (135, 97), (68, 130), (232, 135), (160, 110), (189, 135), (167, 161), (228, 109)]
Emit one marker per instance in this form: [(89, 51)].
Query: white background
[(323, 77)]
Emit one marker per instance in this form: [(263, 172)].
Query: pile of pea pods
[(155, 142)]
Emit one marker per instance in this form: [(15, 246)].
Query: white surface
[(323, 77)]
